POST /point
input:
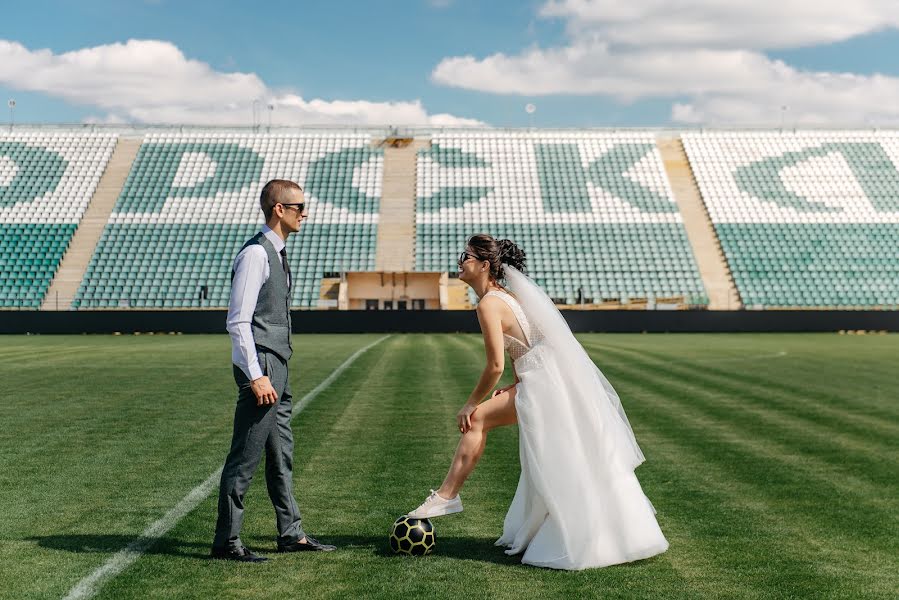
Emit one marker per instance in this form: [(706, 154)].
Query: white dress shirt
[(251, 270)]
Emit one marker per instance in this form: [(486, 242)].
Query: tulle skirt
[(578, 504)]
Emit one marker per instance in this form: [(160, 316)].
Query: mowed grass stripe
[(708, 558), (730, 541), (418, 454), (325, 437), (844, 391), (771, 415), (760, 548), (690, 403), (487, 501), (828, 410), (865, 419), (23, 356), (440, 373), (405, 458), (688, 569), (476, 344), (352, 483), (88, 586), (793, 491), (121, 443), (468, 539), (718, 545), (873, 458), (30, 350), (122, 425), (675, 443), (742, 521), (855, 377)]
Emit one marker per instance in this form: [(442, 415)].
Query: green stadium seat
[(805, 219), (47, 179), (190, 201), (593, 211)]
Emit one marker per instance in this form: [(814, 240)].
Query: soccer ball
[(415, 537)]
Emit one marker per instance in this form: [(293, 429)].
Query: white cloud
[(758, 24), (150, 81), (706, 53)]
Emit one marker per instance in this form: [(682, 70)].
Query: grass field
[(772, 460)]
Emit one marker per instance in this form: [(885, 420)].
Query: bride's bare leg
[(495, 412)]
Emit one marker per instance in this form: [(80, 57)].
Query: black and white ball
[(415, 537)]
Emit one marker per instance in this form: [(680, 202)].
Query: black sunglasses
[(465, 256), (300, 206)]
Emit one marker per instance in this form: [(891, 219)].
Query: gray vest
[(271, 319)]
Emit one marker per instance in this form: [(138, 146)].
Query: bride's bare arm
[(499, 391), (489, 317)]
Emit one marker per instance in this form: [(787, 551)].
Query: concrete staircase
[(713, 269), (76, 259), (396, 221)]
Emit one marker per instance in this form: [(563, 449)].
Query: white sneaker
[(435, 506)]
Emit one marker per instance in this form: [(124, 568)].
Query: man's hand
[(464, 416), (265, 393)]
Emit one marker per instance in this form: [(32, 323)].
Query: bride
[(578, 503)]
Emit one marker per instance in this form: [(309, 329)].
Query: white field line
[(122, 559)]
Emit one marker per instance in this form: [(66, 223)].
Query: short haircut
[(273, 193)]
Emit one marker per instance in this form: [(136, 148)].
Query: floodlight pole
[(12, 106), (256, 104), (530, 109)]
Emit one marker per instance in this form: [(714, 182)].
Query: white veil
[(588, 386)]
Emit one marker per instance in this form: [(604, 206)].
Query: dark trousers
[(259, 429)]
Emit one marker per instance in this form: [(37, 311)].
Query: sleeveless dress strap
[(516, 310)]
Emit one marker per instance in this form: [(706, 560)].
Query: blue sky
[(582, 64)]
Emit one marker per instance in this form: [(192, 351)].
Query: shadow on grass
[(468, 548), (107, 544), (464, 548)]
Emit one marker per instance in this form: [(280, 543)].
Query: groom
[(259, 324)]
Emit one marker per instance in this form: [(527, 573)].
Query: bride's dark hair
[(497, 252)]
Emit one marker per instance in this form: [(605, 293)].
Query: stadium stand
[(593, 211), (191, 200), (47, 179), (806, 219)]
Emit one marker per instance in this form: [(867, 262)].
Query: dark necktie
[(286, 266)]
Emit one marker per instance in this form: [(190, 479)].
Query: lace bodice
[(515, 347)]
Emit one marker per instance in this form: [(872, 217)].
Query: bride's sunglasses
[(465, 256)]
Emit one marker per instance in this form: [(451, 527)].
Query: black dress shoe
[(311, 544), (241, 554)]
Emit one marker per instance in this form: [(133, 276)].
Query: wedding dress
[(578, 503)]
